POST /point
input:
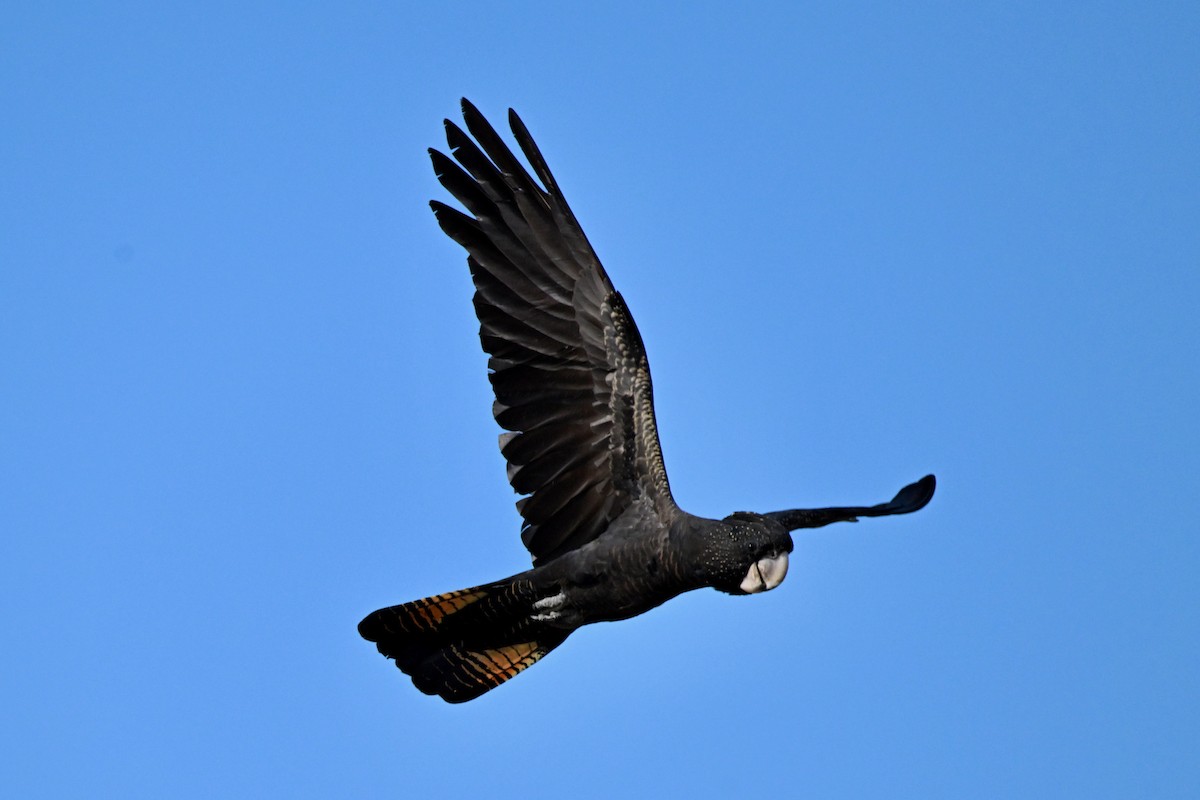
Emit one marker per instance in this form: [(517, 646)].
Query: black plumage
[(573, 390)]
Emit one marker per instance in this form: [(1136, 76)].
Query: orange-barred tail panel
[(424, 615), (460, 644), (460, 673)]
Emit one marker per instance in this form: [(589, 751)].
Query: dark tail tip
[(371, 627)]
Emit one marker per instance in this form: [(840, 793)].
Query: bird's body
[(573, 389)]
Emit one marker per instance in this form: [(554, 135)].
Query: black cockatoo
[(573, 391)]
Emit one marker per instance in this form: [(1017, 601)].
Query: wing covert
[(566, 361)]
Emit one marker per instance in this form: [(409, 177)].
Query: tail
[(461, 644)]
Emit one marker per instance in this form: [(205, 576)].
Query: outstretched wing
[(566, 361), (911, 498)]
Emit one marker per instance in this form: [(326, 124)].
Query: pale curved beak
[(765, 574)]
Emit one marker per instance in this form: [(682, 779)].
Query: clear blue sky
[(243, 400)]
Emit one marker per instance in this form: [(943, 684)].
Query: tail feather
[(461, 644), (459, 673), (422, 616)]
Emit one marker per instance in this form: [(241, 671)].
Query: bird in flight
[(573, 392)]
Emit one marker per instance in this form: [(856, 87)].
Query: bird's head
[(746, 554)]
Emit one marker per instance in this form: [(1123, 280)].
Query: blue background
[(243, 400)]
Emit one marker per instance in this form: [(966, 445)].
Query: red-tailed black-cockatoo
[(573, 391)]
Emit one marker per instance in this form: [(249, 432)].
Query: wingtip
[(435, 156), (470, 112), (915, 496)]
